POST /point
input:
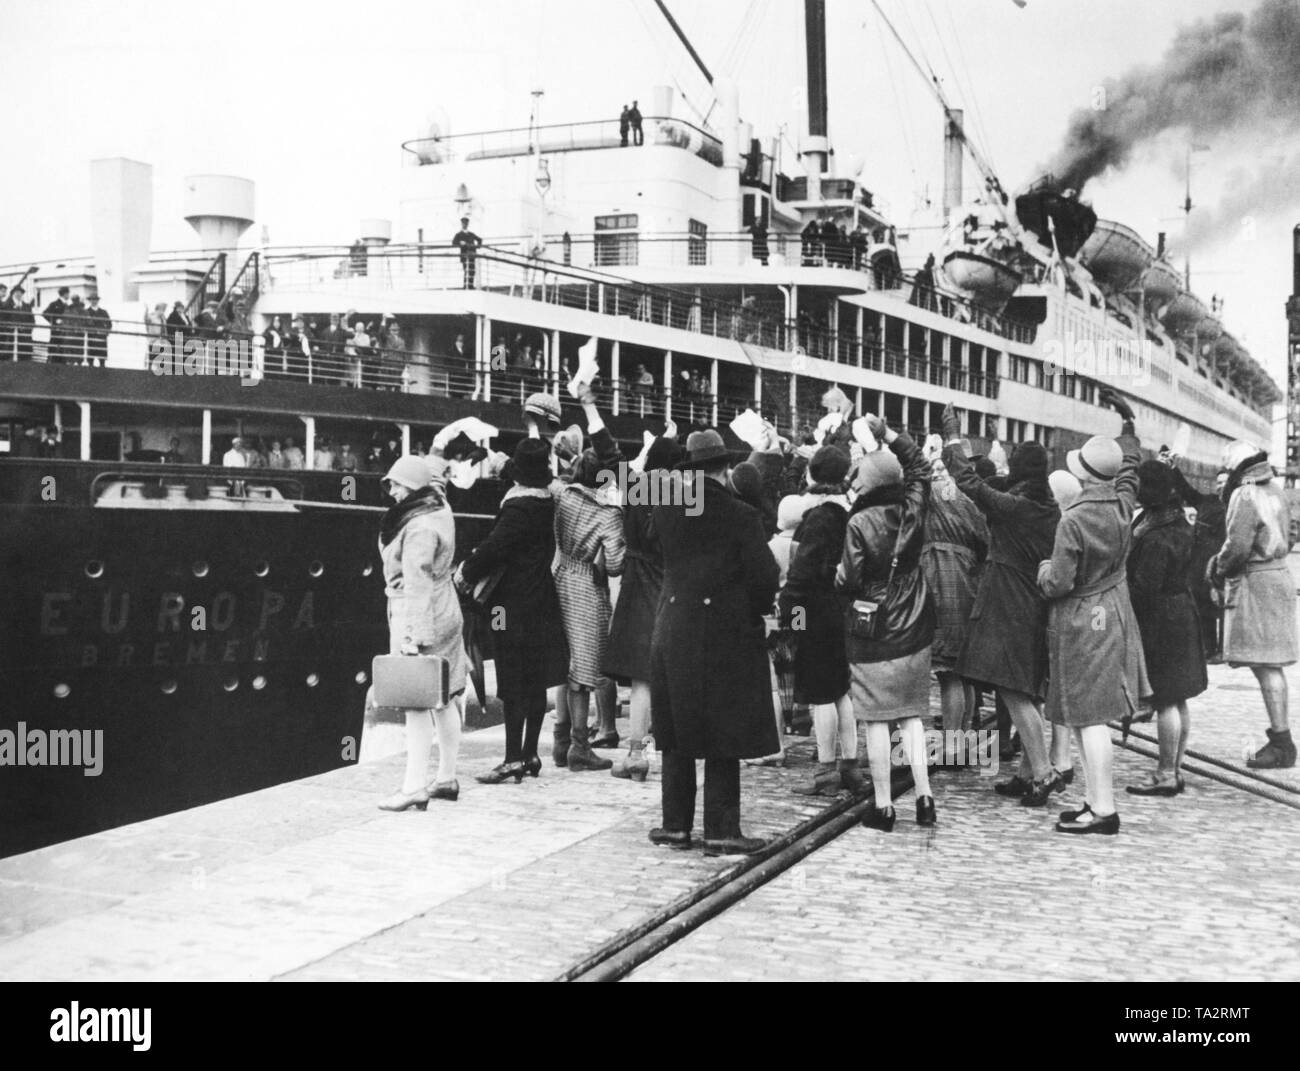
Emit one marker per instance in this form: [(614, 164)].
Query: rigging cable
[(898, 111), (971, 95)]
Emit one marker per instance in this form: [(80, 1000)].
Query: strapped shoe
[(1017, 786), (1039, 791), (1168, 786)]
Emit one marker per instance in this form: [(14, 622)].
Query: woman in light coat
[(1259, 628), (417, 542), (1096, 670)]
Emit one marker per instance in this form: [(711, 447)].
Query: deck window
[(616, 240)]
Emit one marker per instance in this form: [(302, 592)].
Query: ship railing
[(562, 137)]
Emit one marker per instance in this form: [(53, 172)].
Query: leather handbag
[(866, 619), (411, 682)]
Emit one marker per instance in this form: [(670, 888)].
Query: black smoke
[(1227, 73)]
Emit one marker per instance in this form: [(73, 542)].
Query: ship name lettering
[(196, 653), (272, 603), (232, 649), (160, 653), (50, 611), (223, 611), (305, 611), (169, 609), (112, 627)]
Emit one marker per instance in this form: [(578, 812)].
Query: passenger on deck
[(23, 320), (347, 461), (178, 325), (634, 119), (293, 456), (273, 349), (325, 457), (467, 242), (417, 542), (624, 125), (98, 327), (234, 458), (56, 315), (275, 458)]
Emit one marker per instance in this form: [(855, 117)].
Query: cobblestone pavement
[(310, 881)]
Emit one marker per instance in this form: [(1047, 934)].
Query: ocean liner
[(217, 624)]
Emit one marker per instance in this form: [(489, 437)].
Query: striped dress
[(586, 524)]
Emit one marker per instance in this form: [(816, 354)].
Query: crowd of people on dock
[(839, 576)]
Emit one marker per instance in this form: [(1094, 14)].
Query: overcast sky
[(313, 101)]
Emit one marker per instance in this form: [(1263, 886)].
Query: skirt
[(893, 690), (1259, 617)]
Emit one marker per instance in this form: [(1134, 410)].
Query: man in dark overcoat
[(467, 242), (710, 683), (56, 315), (98, 326)]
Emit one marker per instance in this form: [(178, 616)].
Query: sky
[(313, 101)]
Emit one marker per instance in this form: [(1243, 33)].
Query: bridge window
[(616, 240), (697, 242)]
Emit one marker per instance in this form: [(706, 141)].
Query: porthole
[(199, 569), (361, 677), (259, 682), (316, 569), (367, 569), (168, 687), (62, 691), (312, 680), (94, 569), (230, 683), (261, 569)]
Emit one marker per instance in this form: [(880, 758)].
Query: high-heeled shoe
[(401, 801), (444, 790), (880, 818), (503, 772), (634, 767), (532, 765), (925, 811)]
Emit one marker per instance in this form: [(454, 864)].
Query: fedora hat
[(702, 447), (1099, 459)]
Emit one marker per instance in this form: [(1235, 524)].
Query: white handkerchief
[(1182, 440), (588, 369), (862, 432), (748, 428)]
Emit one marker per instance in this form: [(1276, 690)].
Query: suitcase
[(411, 682)]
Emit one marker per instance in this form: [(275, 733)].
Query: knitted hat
[(531, 464), (880, 468), (410, 471), (663, 454), (747, 483), (1155, 485), (1065, 487), (830, 465), (1098, 458), (1028, 463)]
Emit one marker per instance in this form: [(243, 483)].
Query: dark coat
[(821, 663), (531, 651), (710, 677), (884, 521), (630, 632), (1159, 579), (98, 326), (956, 544), (1006, 644)]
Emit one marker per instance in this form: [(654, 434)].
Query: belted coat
[(710, 678), (1096, 670)]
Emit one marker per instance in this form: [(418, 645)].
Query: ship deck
[(310, 881)]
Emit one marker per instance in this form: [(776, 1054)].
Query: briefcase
[(411, 682)]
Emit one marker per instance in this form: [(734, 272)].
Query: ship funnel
[(219, 208), (728, 120), (121, 220), (376, 233), (952, 161), (1160, 244)]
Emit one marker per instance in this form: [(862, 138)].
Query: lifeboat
[(1115, 255), (1160, 284), (1183, 313), (982, 280), (1208, 328)]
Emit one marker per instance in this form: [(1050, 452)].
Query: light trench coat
[(1096, 671)]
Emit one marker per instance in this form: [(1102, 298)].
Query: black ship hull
[(166, 658)]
